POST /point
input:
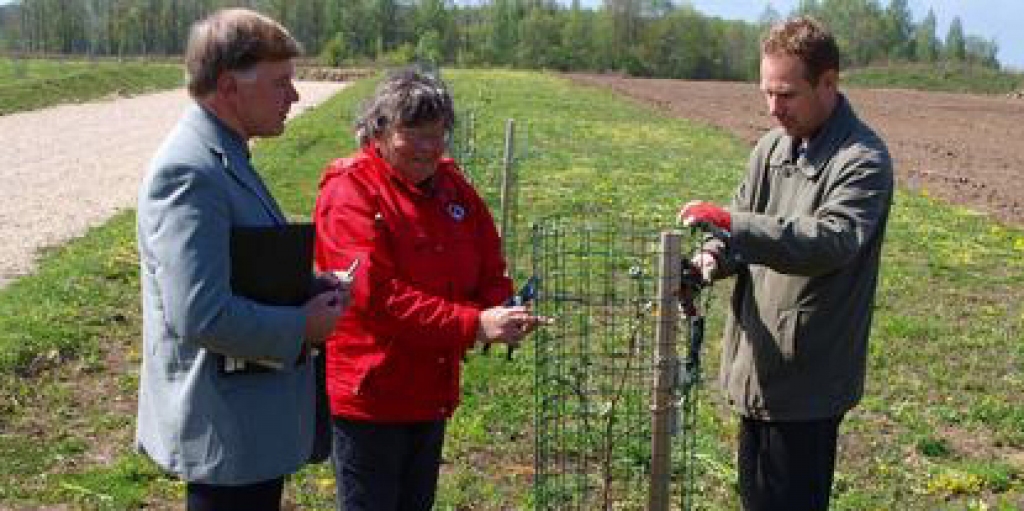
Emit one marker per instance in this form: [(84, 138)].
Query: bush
[(334, 52), (401, 56)]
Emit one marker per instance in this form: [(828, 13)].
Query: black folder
[(273, 265)]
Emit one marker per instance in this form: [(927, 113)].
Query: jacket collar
[(234, 155), (819, 149), (214, 132), (440, 187)]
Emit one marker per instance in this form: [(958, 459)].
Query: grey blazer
[(194, 421)]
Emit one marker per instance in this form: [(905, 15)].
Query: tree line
[(655, 38)]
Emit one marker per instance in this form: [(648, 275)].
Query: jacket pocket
[(352, 363), (405, 375), (363, 381), (791, 324)]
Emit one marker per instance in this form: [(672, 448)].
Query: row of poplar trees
[(659, 38)]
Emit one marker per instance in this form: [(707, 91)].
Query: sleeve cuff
[(469, 323)]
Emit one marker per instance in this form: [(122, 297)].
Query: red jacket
[(429, 263)]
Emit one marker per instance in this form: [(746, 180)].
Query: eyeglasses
[(423, 135)]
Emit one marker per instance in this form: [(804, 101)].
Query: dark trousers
[(787, 466), (386, 467), (262, 496)]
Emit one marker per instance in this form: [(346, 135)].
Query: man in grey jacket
[(233, 430), (803, 238)]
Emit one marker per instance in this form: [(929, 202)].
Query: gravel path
[(71, 167)]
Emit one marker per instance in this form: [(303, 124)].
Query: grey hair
[(234, 40), (405, 98)]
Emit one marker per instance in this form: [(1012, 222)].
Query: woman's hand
[(507, 324)]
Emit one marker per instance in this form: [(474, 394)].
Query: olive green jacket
[(806, 242)]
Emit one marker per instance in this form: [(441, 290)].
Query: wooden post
[(666, 363), (470, 134), (507, 184)]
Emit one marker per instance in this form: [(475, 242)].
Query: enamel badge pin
[(456, 211)]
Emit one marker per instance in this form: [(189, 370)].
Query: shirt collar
[(224, 139), (811, 156)]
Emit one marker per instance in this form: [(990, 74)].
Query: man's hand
[(700, 212), (322, 313), (706, 263)]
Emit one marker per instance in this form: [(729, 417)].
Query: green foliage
[(334, 52), (22, 457), (83, 292), (859, 27), (403, 55), (956, 45), (926, 43), (125, 485), (655, 38), (933, 447), (27, 84), (899, 29), (429, 47)]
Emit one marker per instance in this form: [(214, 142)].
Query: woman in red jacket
[(429, 284)]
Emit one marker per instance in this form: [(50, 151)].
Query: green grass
[(941, 426), (946, 77), (28, 84)]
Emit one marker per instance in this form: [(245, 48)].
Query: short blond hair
[(233, 40)]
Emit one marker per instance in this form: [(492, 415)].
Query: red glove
[(699, 212)]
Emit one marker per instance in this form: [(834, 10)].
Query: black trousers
[(262, 496), (787, 466), (386, 467)]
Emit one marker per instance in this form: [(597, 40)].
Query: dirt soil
[(965, 149)]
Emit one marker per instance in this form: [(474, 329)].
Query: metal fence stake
[(507, 184)]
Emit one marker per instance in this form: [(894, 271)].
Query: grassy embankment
[(945, 77), (28, 84), (941, 426)]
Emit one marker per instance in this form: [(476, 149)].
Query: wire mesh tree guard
[(609, 383), (611, 392)]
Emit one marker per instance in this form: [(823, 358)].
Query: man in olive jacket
[(803, 238)]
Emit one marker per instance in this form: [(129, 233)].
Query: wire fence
[(494, 173), (603, 438), (593, 367), (615, 404)]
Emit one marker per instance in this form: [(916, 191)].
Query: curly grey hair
[(405, 98)]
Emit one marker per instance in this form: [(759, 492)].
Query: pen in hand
[(345, 278), (347, 275)]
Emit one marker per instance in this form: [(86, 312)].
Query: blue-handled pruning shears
[(526, 294)]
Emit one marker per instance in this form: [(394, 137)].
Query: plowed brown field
[(965, 149)]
